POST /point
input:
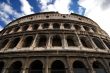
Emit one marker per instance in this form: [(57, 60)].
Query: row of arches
[(35, 27), (56, 41), (56, 67)]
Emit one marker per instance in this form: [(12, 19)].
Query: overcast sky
[(97, 10)]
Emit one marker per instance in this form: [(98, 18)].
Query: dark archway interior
[(56, 41), (58, 67), (16, 67), (98, 67), (78, 67), (36, 67), (1, 66)]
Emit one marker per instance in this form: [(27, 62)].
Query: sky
[(97, 10)]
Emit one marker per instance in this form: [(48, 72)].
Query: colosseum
[(50, 42)]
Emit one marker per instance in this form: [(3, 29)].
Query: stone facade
[(50, 42)]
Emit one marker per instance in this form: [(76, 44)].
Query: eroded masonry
[(50, 42)]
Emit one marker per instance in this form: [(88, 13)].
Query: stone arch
[(79, 67), (35, 26), (77, 27), (45, 25), (98, 43), (25, 27), (86, 41), (1, 66), (16, 29), (72, 40), (4, 43), (36, 67), (42, 41), (15, 67), (98, 67), (14, 42), (58, 67), (67, 26), (86, 28), (56, 26), (8, 30), (56, 40), (27, 41)]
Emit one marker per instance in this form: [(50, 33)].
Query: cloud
[(95, 11), (60, 6), (26, 7), (6, 11)]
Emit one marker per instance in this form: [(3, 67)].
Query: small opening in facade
[(25, 28), (67, 26), (14, 43), (9, 30), (77, 27), (47, 16), (98, 43), (56, 41), (86, 28), (107, 43), (4, 43), (72, 41), (45, 25), (86, 42), (16, 29), (42, 41), (56, 26), (27, 41), (35, 26), (1, 66), (64, 16)]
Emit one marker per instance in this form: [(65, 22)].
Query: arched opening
[(98, 43), (25, 27), (56, 41), (16, 29), (77, 27), (14, 42), (107, 43), (45, 25), (36, 67), (1, 66), (4, 43), (86, 42), (16, 67), (35, 26), (98, 67), (72, 41), (8, 30), (58, 67), (94, 29), (27, 41), (86, 28), (42, 41), (78, 67), (56, 26), (67, 26)]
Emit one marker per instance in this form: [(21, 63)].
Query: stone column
[(82, 29), (49, 43), (72, 27), (61, 26), (40, 26), (64, 42), (34, 41), (50, 26), (46, 65), (29, 28)]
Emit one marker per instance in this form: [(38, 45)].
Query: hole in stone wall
[(27, 41), (56, 26), (4, 43), (14, 42), (98, 43), (25, 28), (77, 27), (35, 26), (45, 25), (107, 43), (67, 26), (42, 41), (56, 41), (86, 42)]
